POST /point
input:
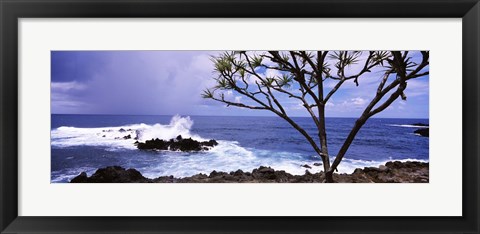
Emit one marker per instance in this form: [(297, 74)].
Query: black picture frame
[(11, 11)]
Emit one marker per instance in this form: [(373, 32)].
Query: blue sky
[(170, 82)]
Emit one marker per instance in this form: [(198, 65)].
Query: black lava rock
[(422, 132), (113, 174), (177, 144)]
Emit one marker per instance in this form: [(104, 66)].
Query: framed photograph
[(226, 116)]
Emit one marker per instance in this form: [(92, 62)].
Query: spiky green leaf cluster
[(222, 65), (241, 71), (207, 93), (285, 57), (380, 57), (309, 55), (345, 58), (223, 84), (256, 61), (268, 81), (285, 81)]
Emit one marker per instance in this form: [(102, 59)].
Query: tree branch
[(229, 103)]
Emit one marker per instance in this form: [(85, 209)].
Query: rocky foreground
[(391, 172)]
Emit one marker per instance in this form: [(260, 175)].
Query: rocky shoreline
[(391, 172)]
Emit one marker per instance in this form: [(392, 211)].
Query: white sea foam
[(227, 156), (233, 157), (349, 165), (407, 126), (113, 137), (68, 174)]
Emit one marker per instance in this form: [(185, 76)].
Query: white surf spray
[(227, 156), (122, 137), (407, 126), (349, 165)]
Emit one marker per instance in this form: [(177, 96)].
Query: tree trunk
[(322, 134), (329, 177), (358, 124)]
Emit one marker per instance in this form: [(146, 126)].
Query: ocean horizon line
[(339, 117)]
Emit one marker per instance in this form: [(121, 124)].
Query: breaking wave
[(226, 156), (407, 126), (122, 137)]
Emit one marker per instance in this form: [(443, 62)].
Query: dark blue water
[(87, 142)]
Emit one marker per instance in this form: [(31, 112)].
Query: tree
[(244, 72)]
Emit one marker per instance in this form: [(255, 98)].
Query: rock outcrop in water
[(177, 144), (420, 124), (422, 132), (391, 172)]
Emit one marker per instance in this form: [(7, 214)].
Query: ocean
[(88, 142)]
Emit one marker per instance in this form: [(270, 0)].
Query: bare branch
[(389, 101), (384, 80), (412, 76), (229, 103), (366, 68), (333, 90), (400, 68)]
